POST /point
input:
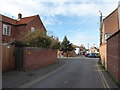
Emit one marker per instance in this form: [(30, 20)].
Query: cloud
[(50, 9), (78, 38), (58, 7)]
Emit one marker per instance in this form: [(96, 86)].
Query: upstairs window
[(32, 29), (107, 36), (6, 29)]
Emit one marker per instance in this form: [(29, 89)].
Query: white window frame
[(107, 35), (32, 29), (6, 30)]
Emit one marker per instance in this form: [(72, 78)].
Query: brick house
[(93, 49), (109, 26), (110, 43), (12, 29)]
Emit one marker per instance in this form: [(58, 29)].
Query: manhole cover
[(31, 74)]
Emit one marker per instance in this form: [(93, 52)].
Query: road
[(77, 73)]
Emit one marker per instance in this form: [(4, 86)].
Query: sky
[(77, 19)]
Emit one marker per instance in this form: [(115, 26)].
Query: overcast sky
[(77, 19)]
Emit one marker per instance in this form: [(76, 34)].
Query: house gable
[(37, 24), (20, 26), (110, 25)]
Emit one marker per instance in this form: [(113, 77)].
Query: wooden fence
[(8, 58)]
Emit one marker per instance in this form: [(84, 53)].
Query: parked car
[(94, 55)]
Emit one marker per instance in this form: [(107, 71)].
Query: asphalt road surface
[(76, 73)]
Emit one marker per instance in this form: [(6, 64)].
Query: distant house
[(13, 28), (82, 50), (93, 50)]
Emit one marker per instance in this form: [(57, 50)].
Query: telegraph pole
[(88, 46), (101, 20), (100, 17)]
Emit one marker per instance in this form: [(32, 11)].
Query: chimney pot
[(19, 16)]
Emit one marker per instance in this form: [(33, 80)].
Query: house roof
[(24, 20), (8, 20), (75, 46), (110, 14)]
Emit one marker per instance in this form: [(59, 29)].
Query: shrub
[(37, 39), (43, 42), (55, 44)]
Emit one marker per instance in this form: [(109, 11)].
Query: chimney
[(19, 16)]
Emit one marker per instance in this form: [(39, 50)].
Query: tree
[(66, 46)]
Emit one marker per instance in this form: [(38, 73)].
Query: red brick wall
[(38, 57), (7, 38), (103, 55), (110, 24), (119, 58), (113, 56), (36, 23)]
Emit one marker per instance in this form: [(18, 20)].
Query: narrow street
[(76, 73)]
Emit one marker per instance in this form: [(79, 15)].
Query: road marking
[(103, 78), (31, 82)]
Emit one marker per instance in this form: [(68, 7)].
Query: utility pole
[(100, 17), (88, 46), (101, 22)]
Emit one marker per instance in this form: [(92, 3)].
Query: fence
[(8, 58)]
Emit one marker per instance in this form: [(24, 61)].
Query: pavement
[(13, 79), (72, 72)]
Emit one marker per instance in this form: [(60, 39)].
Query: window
[(6, 29), (107, 36), (32, 29)]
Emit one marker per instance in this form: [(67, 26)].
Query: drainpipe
[(118, 39), (119, 15)]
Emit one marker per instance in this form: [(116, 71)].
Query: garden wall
[(103, 55), (113, 55), (38, 57)]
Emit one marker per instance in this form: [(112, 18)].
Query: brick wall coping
[(37, 48), (113, 35)]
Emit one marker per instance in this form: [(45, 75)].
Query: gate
[(8, 58), (19, 58)]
